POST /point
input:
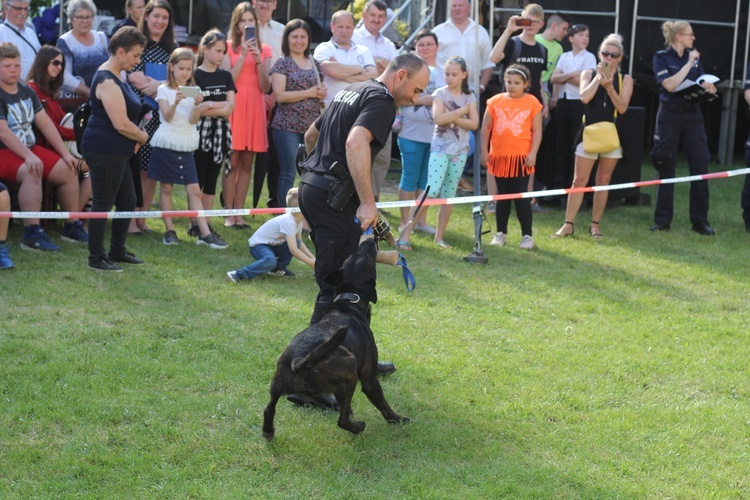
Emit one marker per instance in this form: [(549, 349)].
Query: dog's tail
[(321, 352)]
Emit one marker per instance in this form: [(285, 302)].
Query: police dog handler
[(341, 145)]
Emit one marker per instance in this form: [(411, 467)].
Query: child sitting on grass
[(274, 244)]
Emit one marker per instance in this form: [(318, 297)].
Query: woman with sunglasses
[(567, 75), (604, 94), (45, 78), (680, 121)]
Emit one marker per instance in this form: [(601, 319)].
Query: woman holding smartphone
[(249, 62), (605, 94)]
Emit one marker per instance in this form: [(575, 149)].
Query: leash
[(408, 276)]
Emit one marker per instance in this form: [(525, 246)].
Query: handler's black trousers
[(673, 128), (335, 235)]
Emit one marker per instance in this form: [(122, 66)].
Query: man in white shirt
[(342, 61), (271, 33), (383, 51), (462, 36), (22, 35), (456, 37)]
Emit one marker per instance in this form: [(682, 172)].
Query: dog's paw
[(398, 419), (355, 427)]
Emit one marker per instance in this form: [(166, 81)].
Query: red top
[(55, 113)]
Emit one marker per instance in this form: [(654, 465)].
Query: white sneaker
[(527, 242), (498, 240)]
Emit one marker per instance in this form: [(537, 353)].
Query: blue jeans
[(415, 161), (286, 150), (267, 258)]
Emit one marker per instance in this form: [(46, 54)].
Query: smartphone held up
[(249, 32)]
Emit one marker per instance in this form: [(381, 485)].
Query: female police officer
[(680, 120)]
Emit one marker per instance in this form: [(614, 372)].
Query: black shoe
[(704, 229), (322, 401), (105, 265), (385, 368), (660, 227), (128, 258)]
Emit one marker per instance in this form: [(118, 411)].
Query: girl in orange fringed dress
[(510, 138), (249, 61)]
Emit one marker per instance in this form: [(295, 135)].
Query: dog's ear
[(334, 278)]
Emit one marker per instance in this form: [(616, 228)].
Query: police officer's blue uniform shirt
[(667, 63)]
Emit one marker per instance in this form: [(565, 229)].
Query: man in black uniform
[(349, 134)]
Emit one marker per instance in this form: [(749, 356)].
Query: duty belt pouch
[(342, 189)]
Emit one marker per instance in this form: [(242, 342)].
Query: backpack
[(80, 119)]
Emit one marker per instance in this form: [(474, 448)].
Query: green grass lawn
[(577, 370)]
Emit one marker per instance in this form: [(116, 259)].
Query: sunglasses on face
[(56, 63), (613, 55)]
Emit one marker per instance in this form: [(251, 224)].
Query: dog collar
[(351, 297)]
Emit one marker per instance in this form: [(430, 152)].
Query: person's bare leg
[(148, 186), (196, 203), (4, 207), (444, 216), (583, 168), (66, 182), (244, 176), (603, 177), (165, 202), (29, 193)]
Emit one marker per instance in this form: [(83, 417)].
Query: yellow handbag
[(601, 137)]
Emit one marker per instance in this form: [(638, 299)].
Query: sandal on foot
[(442, 245), (403, 245), (558, 234), (596, 235)]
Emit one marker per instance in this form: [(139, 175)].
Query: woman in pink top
[(249, 62)]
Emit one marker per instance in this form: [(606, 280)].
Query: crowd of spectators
[(274, 86)]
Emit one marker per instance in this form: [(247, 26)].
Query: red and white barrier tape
[(386, 204)]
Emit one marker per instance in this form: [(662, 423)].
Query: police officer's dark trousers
[(745, 200), (672, 127), (335, 235)]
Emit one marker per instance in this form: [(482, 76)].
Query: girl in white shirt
[(175, 141)]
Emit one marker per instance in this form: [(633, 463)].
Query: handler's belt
[(320, 181)]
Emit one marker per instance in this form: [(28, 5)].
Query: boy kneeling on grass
[(274, 244)]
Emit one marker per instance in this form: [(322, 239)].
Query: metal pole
[(617, 16), (477, 256), (632, 37)]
